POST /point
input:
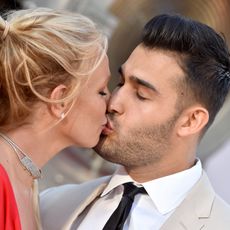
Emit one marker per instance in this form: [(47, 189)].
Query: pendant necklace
[(25, 161)]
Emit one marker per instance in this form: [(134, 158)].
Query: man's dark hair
[(7, 5), (203, 53)]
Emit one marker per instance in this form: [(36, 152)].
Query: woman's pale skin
[(80, 127)]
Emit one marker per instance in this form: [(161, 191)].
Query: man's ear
[(192, 120), (58, 109)]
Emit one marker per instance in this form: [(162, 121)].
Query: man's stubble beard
[(139, 147)]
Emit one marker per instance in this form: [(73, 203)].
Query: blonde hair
[(39, 50)]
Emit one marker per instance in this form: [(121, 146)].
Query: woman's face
[(86, 119)]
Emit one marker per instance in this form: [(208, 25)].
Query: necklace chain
[(26, 162)]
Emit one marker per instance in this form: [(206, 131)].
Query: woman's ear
[(192, 121), (58, 109)]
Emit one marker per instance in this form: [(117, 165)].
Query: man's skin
[(151, 133)]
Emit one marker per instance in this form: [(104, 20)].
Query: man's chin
[(100, 143)]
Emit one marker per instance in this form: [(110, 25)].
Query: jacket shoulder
[(67, 189), (58, 203)]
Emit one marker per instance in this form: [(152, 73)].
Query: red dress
[(9, 216)]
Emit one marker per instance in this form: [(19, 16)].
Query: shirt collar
[(166, 192), (119, 177)]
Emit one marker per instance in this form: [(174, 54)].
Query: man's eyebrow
[(139, 81), (143, 83)]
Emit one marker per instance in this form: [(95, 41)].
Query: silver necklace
[(26, 162)]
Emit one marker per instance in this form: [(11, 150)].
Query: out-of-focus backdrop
[(122, 21)]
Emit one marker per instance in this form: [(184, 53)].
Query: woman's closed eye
[(102, 93)]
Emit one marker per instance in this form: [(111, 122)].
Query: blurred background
[(122, 21)]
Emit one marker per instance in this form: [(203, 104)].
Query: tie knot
[(132, 190), (118, 218)]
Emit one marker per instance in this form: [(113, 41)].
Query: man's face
[(143, 110)]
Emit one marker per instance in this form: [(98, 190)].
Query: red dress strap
[(9, 216)]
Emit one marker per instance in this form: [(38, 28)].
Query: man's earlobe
[(193, 121)]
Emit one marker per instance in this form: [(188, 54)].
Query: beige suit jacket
[(63, 208)]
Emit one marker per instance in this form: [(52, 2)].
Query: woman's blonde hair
[(39, 50)]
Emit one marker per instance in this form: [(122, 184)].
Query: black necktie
[(117, 219)]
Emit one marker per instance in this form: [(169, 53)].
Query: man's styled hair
[(203, 55)]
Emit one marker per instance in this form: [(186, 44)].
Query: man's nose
[(116, 102)]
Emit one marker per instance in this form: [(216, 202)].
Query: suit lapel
[(184, 218), (94, 195), (194, 209)]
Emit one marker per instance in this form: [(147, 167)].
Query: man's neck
[(150, 172)]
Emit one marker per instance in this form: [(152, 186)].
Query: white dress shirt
[(148, 211)]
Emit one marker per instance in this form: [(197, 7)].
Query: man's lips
[(108, 128)]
